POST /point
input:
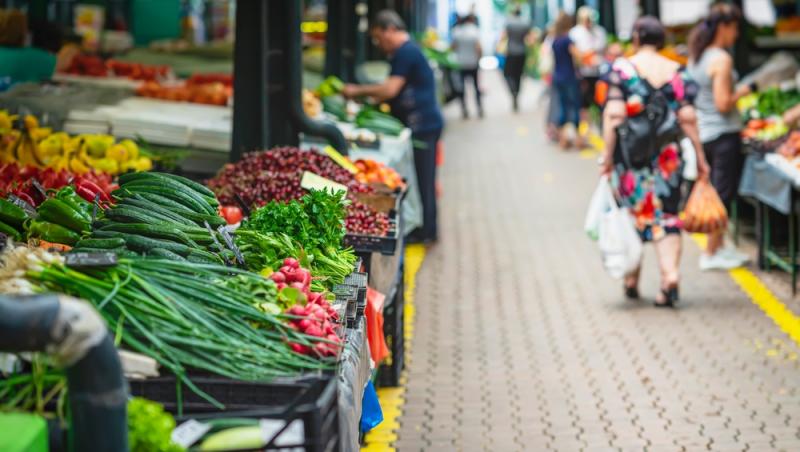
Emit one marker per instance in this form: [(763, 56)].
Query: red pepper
[(87, 186)]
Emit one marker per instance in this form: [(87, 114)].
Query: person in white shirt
[(467, 47), (590, 41)]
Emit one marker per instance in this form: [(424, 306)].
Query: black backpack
[(641, 137)]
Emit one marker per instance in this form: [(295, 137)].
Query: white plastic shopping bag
[(601, 202), (689, 159), (619, 242)]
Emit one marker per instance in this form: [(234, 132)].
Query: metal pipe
[(296, 114), (73, 333)]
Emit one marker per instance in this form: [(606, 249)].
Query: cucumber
[(143, 244), (131, 214), (222, 424), (152, 231), (108, 243), (136, 201), (180, 209), (88, 249), (172, 190), (204, 257), (166, 254), (197, 187)]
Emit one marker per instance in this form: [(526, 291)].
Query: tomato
[(232, 214)]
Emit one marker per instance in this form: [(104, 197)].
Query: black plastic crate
[(315, 407), (380, 244), (235, 395), (394, 331)]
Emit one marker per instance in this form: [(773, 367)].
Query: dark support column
[(651, 8), (341, 39), (607, 16), (261, 95)]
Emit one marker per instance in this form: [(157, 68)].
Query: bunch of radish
[(316, 318)]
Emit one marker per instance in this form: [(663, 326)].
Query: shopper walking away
[(467, 47), (712, 67), (647, 179), (590, 40), (565, 81), (411, 93), (517, 30)]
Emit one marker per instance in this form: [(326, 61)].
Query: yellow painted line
[(382, 437), (761, 296)]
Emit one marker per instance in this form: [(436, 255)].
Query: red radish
[(281, 286), (297, 285), (304, 324), (332, 337), (278, 277), (286, 270), (297, 310), (291, 262), (314, 330)]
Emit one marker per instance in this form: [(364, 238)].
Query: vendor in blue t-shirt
[(411, 92)]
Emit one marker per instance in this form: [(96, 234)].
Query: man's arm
[(380, 92)]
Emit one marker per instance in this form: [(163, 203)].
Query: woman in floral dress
[(653, 193)]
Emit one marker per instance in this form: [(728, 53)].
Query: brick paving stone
[(522, 341)]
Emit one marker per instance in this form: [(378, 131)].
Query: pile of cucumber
[(161, 215)]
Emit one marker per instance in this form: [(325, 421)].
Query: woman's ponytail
[(703, 34)]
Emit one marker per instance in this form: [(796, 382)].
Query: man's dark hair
[(648, 30), (388, 19)]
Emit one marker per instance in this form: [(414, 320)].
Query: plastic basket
[(313, 409)]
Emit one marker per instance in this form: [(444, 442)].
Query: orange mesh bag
[(704, 211)]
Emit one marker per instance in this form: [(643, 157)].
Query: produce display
[(368, 117), (212, 93), (180, 292), (19, 181), (790, 149), (275, 175), (94, 66), (28, 144)]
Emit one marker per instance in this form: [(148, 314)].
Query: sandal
[(670, 298), (631, 293)]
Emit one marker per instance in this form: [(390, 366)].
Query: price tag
[(38, 186), (293, 434), (341, 160), (189, 433), (21, 203), (311, 181), (107, 259), (226, 236)]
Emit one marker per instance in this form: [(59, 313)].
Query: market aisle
[(523, 343)]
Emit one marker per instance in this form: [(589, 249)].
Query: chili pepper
[(52, 232), (9, 231), (86, 185), (59, 212), (68, 195), (12, 214)]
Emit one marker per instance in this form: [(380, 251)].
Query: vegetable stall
[(238, 305), (771, 175)]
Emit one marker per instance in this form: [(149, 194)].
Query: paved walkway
[(522, 343)]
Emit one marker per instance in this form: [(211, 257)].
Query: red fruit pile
[(361, 219), (317, 318), (261, 177)]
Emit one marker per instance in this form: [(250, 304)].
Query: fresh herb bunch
[(316, 222)]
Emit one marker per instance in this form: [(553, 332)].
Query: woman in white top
[(711, 66)]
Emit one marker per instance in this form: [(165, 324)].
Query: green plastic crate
[(20, 432)]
